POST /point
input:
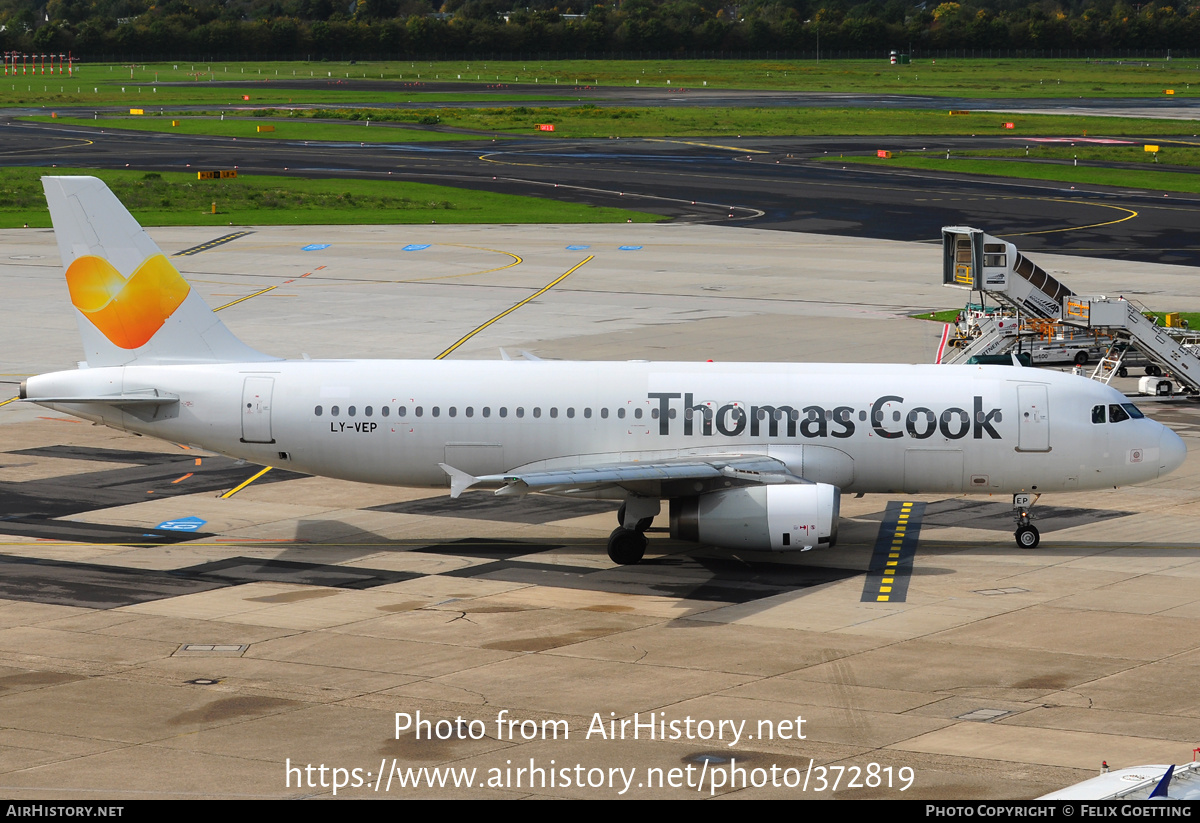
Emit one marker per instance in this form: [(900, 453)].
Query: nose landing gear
[(1027, 534)]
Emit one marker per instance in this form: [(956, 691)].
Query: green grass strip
[(1079, 175), (179, 199), (247, 128), (725, 126), (265, 82)]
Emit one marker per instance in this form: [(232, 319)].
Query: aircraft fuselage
[(863, 428)]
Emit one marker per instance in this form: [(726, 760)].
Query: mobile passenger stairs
[(1046, 313), (1043, 311)]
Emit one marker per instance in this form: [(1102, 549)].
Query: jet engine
[(784, 517)]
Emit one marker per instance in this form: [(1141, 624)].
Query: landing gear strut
[(642, 525), (1027, 534)]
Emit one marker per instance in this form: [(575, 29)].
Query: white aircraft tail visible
[(131, 303)]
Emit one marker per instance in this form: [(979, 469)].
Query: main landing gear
[(1027, 534), (627, 546)]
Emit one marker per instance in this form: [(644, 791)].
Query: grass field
[(244, 127), (179, 199), (1170, 153), (1079, 175), (594, 121), (226, 82)]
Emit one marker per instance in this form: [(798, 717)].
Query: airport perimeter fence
[(1126, 56)]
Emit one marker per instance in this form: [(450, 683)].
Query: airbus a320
[(748, 456)]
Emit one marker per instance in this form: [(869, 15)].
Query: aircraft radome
[(749, 456)]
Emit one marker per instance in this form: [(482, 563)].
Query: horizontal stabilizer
[(111, 399)]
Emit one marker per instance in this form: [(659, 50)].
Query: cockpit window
[(1133, 410), (1117, 413), (1098, 415)]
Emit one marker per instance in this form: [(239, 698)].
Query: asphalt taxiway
[(288, 624), (792, 184)]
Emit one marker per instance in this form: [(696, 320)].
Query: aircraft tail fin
[(131, 303), (1160, 791)]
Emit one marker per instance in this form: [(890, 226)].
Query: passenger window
[(1097, 414), (402, 411), (453, 411), (537, 411), (504, 411), (367, 411), (385, 411), (350, 411), (671, 414), (653, 413), (604, 413), (487, 411), (570, 413), (317, 411), (621, 412), (436, 411), (419, 411), (470, 412), (637, 413), (554, 411), (587, 413), (1116, 414), (333, 410), (520, 411)]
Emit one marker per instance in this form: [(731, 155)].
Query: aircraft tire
[(1028, 537), (626, 547)]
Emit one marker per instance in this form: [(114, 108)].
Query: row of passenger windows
[(469, 411), (1116, 413), (843, 415)]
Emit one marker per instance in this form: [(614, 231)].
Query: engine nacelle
[(780, 518)]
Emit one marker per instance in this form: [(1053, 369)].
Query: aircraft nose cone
[(1172, 452)]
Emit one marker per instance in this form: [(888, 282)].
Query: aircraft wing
[(746, 469)]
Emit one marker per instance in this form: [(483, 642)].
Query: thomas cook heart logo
[(127, 312)]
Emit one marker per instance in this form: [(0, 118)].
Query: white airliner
[(750, 456)]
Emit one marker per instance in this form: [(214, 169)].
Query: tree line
[(402, 29)]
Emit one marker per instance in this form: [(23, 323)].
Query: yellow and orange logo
[(127, 312)]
